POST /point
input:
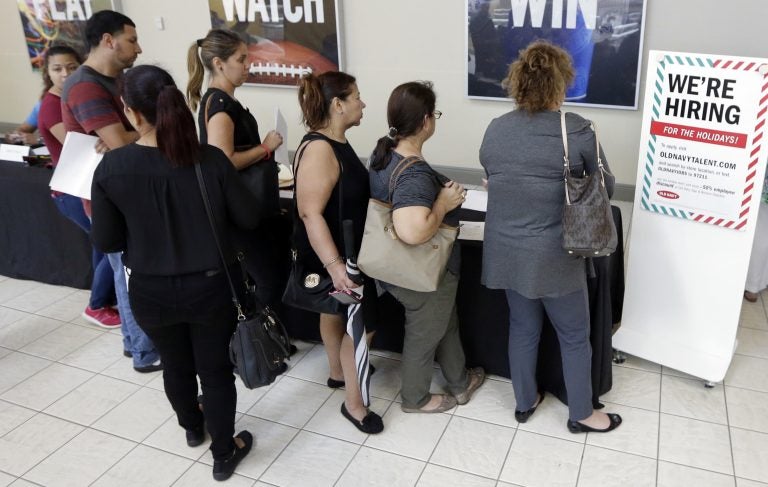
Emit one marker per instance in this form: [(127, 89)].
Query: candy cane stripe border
[(755, 144)]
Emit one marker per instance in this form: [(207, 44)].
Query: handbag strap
[(209, 212), (404, 164), (567, 162), (296, 160)]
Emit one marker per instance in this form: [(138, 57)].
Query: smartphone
[(346, 296)]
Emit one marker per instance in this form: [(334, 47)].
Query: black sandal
[(371, 423)]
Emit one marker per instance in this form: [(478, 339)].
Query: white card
[(476, 200), (12, 152)]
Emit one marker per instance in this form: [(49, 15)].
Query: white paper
[(12, 152), (41, 151), (281, 153), (77, 163), (476, 200), (471, 230)]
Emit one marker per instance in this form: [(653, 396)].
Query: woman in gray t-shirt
[(421, 201), (522, 153)]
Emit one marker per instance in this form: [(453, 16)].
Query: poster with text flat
[(286, 38), (603, 37), (707, 125), (57, 21)]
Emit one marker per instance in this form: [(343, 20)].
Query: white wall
[(391, 41)]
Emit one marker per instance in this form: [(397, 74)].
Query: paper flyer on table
[(77, 163), (281, 127), (12, 152), (471, 230), (476, 200)]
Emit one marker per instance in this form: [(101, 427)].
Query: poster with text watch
[(707, 128), (286, 38)]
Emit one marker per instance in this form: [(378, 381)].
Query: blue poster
[(603, 37)]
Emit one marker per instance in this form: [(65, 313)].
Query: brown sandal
[(447, 403)]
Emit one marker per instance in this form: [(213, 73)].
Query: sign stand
[(700, 174)]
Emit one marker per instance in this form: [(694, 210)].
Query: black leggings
[(191, 319)]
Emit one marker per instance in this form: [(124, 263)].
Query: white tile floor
[(74, 413)]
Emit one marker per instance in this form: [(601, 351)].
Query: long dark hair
[(408, 104), (218, 43), (151, 91), (317, 92), (56, 50)]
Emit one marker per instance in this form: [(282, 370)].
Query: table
[(36, 241), (483, 320)]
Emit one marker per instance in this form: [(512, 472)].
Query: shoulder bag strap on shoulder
[(209, 212), (297, 159), (398, 170)]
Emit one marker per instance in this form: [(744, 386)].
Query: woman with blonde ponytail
[(224, 123), (332, 186)]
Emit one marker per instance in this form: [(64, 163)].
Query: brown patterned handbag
[(588, 228)]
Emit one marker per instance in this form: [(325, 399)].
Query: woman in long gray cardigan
[(522, 153)]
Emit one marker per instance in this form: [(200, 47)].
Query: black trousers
[(191, 319), (267, 258)]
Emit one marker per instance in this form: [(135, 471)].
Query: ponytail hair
[(408, 104), (151, 91), (218, 43), (316, 92)]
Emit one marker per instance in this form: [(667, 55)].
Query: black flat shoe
[(522, 416), (292, 351), (576, 427), (223, 469), (149, 368), (195, 437), (371, 423), (338, 384)]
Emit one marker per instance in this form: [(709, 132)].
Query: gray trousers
[(569, 315), (431, 333)]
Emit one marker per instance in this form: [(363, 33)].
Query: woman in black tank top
[(330, 105)]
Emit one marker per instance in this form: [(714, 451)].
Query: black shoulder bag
[(260, 343), (307, 289), (261, 177)]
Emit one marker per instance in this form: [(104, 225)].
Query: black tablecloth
[(483, 320), (36, 241)]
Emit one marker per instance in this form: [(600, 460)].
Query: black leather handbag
[(260, 343), (588, 228), (307, 289), (261, 178)]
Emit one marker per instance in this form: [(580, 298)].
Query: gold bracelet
[(332, 261)]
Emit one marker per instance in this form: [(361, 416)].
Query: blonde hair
[(537, 80), (219, 43)]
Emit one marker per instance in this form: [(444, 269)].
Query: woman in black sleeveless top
[(224, 123), (330, 105)]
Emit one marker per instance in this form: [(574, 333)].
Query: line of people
[(148, 217)]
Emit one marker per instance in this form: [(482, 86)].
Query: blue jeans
[(134, 339), (102, 286)]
